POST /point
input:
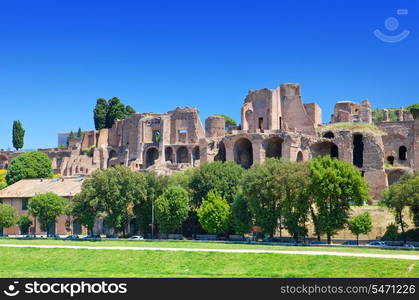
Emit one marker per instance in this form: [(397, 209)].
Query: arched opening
[(358, 150), (77, 228), (300, 157), (273, 147), (113, 157), (390, 160), (221, 155), (156, 136), (329, 135), (325, 148), (249, 119), (243, 153), (182, 155), (151, 156), (402, 153), (168, 154), (196, 155)]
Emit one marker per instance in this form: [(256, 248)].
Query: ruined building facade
[(274, 123)]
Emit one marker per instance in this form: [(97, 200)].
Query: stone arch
[(273, 147), (221, 155), (196, 155), (243, 153), (300, 156), (182, 155), (402, 153), (325, 148), (358, 150), (151, 156), (168, 154), (329, 135)]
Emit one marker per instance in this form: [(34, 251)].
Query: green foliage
[(129, 111), (378, 115), (335, 185), (116, 111), (3, 182), (70, 137), (172, 208), (214, 213), (229, 121), (224, 178), (403, 194), (100, 112), (414, 110), (24, 222), (79, 133), (241, 215), (29, 165), (47, 207), (361, 224), (392, 233), (18, 135), (8, 215)]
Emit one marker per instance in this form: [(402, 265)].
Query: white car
[(136, 238)]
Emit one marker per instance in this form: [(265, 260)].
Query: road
[(330, 253)]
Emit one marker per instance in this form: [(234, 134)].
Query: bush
[(8, 215), (29, 165), (414, 110), (24, 222)]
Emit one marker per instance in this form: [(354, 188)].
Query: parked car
[(318, 243), (409, 246), (136, 238), (52, 236), (92, 238), (3, 236), (112, 236), (376, 244), (350, 243), (72, 237)]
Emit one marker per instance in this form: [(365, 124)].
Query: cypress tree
[(100, 113), (18, 135)]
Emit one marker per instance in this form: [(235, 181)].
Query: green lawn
[(207, 245), (32, 262)]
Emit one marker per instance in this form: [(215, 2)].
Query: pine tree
[(79, 133), (100, 113), (18, 135)]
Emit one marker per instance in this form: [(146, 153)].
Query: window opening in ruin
[(273, 147), (334, 151), (329, 135), (182, 155), (243, 153), (300, 156), (221, 155), (280, 123), (402, 153), (151, 156), (358, 150), (260, 123), (168, 153), (390, 160)]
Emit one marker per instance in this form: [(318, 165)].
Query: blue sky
[(58, 57)]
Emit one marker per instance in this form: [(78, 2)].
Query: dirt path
[(370, 255)]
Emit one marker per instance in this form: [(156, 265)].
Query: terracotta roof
[(27, 188)]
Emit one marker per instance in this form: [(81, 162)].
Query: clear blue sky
[(58, 57)]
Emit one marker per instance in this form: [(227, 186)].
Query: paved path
[(371, 255)]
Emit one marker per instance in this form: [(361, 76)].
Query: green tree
[(79, 133), (18, 135), (241, 215), (129, 110), (172, 208), (99, 113), (295, 184), (29, 165), (70, 137), (414, 110), (86, 207), (229, 121), (116, 111), (335, 185), (47, 207), (391, 234), (8, 215), (361, 224), (400, 196), (214, 213), (24, 222), (262, 189), (117, 190)]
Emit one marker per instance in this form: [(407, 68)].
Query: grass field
[(32, 262), (207, 245)]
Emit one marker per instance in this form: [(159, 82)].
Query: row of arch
[(182, 155)]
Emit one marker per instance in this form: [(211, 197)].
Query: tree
[(241, 215), (24, 222), (335, 185), (80, 133), (172, 208), (70, 137), (8, 215), (47, 207), (229, 121), (361, 224), (262, 190), (116, 111), (129, 110), (18, 135), (100, 112), (401, 195), (117, 190), (414, 110), (391, 234), (86, 207), (214, 213), (295, 183), (29, 165)]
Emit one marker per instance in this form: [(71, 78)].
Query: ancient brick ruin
[(274, 123)]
